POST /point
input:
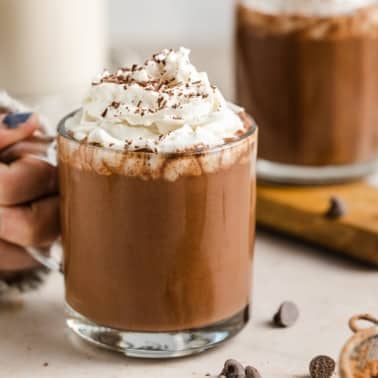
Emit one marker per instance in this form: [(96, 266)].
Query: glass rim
[(293, 8), (63, 133)]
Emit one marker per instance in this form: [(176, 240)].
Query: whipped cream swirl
[(164, 105)]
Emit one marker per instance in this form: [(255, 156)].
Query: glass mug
[(308, 73), (157, 247)]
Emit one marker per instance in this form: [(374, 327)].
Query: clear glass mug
[(157, 247), (307, 72)]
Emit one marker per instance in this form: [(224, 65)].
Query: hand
[(29, 213)]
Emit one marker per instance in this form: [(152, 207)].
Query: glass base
[(303, 175), (156, 344)]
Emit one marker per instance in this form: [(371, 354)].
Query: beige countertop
[(328, 290)]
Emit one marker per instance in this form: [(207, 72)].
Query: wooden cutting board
[(300, 211)]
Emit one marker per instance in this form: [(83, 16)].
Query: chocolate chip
[(322, 367), (233, 369), (251, 372), (286, 315), (115, 104), (337, 208), (103, 114)]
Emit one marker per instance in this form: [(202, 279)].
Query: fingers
[(30, 146), (36, 224), (26, 179), (14, 258), (22, 179), (12, 132)]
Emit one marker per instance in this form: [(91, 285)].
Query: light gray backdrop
[(204, 26), (170, 21)]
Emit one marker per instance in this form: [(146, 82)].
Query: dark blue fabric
[(12, 120)]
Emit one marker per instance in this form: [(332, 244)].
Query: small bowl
[(359, 357)]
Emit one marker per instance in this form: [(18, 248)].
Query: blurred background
[(51, 49), (168, 22), (204, 26)]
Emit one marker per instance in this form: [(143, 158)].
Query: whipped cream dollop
[(164, 105), (308, 7)]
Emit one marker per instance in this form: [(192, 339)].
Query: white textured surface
[(327, 289)]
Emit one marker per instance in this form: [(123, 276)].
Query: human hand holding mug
[(29, 205), (157, 202)]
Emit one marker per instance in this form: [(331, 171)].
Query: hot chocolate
[(307, 70), (166, 248), (158, 192)]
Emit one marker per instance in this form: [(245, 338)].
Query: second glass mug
[(157, 247), (307, 72)]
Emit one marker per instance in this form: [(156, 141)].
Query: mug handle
[(45, 255)]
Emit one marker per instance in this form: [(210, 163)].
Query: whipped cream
[(164, 105), (308, 7)]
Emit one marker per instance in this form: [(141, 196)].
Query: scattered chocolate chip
[(103, 115), (337, 208), (115, 104), (232, 369), (45, 364), (286, 315), (322, 367), (251, 372)]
